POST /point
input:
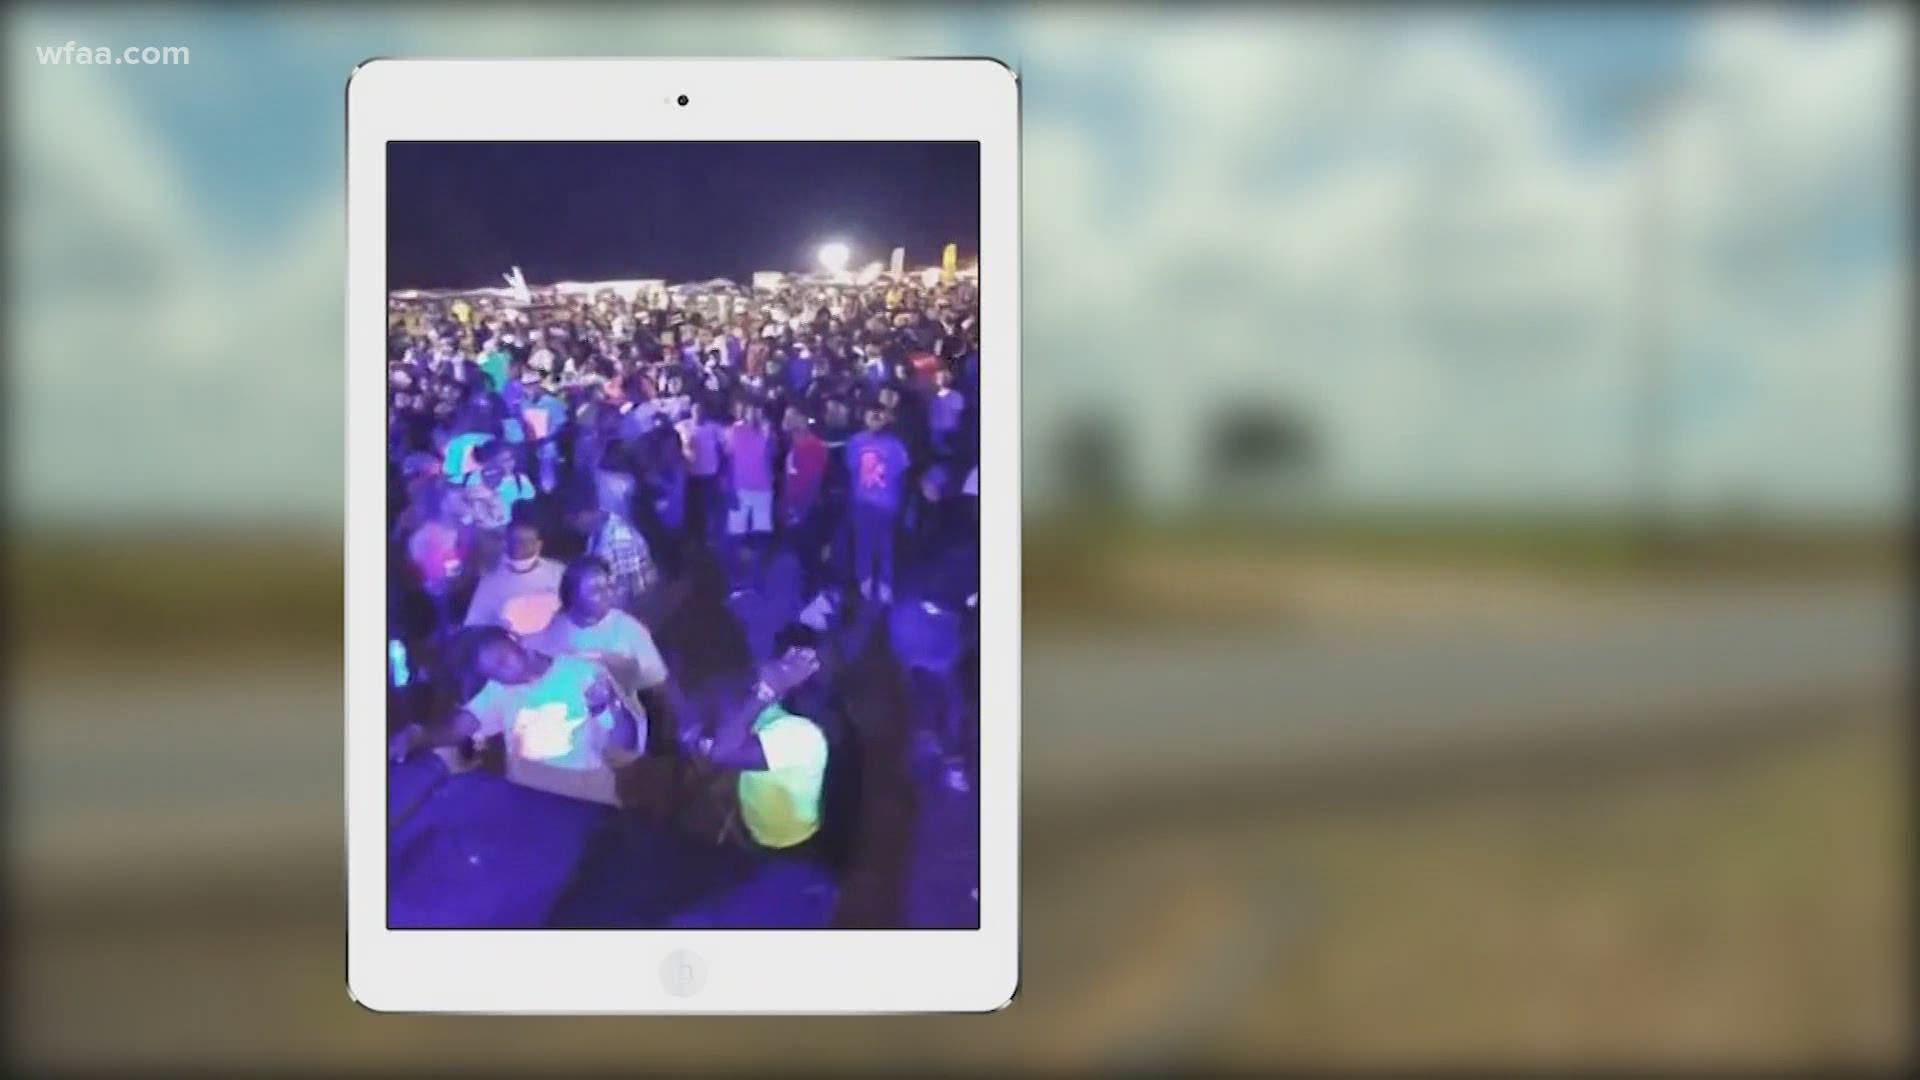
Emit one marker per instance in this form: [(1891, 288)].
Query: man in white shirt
[(591, 627), (702, 437), (522, 594)]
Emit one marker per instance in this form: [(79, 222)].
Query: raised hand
[(796, 666)]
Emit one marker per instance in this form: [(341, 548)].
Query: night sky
[(461, 214)]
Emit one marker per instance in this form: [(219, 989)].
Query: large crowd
[(563, 465)]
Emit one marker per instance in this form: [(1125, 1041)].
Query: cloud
[(1376, 218), (156, 374), (1359, 245), (1792, 181), (1391, 226)]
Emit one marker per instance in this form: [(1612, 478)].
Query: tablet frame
[(747, 971)]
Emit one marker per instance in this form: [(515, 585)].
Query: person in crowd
[(592, 626), (522, 594), (614, 482), (589, 424), (944, 412), (933, 510), (877, 464), (750, 465), (421, 489), (437, 547), (492, 489), (928, 638), (493, 363), (666, 472), (559, 710), (643, 410), (496, 487), (702, 438), (614, 540), (545, 417), (803, 518), (765, 767), (541, 359), (461, 446)]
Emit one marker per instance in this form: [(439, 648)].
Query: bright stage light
[(834, 256)]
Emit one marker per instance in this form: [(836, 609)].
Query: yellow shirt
[(780, 806)]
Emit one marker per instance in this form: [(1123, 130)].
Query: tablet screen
[(705, 652)]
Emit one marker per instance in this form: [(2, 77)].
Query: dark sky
[(461, 214)]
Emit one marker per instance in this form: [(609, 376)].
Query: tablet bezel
[(591, 971)]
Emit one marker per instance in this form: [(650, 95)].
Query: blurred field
[(147, 596), (149, 593), (1730, 905), (1403, 870), (1090, 571)]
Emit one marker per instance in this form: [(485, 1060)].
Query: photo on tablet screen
[(683, 569)]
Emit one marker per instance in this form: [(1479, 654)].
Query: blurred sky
[(1422, 230)]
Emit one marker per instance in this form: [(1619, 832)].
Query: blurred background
[(1464, 582)]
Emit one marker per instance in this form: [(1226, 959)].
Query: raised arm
[(733, 744)]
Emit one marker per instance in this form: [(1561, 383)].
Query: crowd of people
[(825, 430)]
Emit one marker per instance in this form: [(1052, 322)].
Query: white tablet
[(683, 525)]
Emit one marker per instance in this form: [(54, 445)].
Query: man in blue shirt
[(877, 464)]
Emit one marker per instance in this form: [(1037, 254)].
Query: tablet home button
[(683, 973)]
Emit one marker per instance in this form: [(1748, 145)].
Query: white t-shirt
[(522, 601), (545, 720), (618, 641)]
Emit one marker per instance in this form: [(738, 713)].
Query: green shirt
[(780, 805), (494, 363)]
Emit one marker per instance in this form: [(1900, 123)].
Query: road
[(1111, 714)]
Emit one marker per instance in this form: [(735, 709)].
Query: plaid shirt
[(625, 551)]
